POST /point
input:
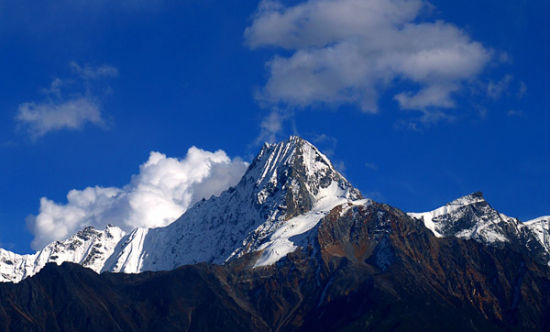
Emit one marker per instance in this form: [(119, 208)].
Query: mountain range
[(292, 246), (286, 191)]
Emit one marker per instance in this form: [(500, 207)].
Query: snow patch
[(280, 242)]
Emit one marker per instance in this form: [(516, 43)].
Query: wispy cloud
[(42, 118), (68, 104), (88, 72), (350, 51), (371, 166), (522, 89), (514, 113), (496, 89), (272, 125)]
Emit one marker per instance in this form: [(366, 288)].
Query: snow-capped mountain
[(284, 193), (471, 217), (89, 247), (286, 190), (274, 209)]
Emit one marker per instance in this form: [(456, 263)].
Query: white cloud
[(271, 126), (55, 87), (496, 89), (40, 118), (522, 89), (91, 73), (513, 112), (70, 103), (350, 51), (371, 166), (164, 188)]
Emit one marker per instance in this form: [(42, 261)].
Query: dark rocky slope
[(371, 267)]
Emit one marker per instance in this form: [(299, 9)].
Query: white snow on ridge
[(537, 221), (540, 228), (89, 247), (447, 209), (281, 241), (427, 218), (130, 257), (484, 223), (471, 217)]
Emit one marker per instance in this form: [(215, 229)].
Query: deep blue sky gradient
[(187, 78)]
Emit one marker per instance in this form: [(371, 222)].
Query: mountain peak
[(471, 217), (473, 198), (286, 181), (449, 208), (298, 165)]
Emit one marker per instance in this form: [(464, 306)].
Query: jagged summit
[(285, 191), (466, 200), (473, 198), (469, 217), (297, 165)]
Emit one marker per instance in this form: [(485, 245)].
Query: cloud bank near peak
[(163, 189), (350, 51)]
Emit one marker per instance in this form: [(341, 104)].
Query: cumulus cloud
[(69, 103), (162, 190), (350, 51)]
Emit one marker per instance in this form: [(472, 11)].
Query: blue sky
[(416, 103)]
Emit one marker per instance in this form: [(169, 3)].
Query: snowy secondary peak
[(89, 247), (285, 181), (470, 217)]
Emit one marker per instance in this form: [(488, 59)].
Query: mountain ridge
[(274, 210), (472, 217), (368, 267)]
